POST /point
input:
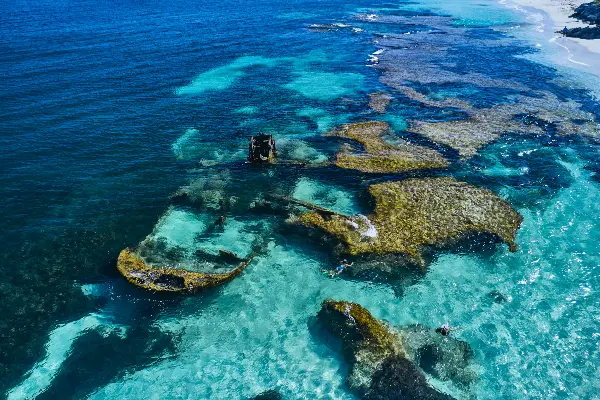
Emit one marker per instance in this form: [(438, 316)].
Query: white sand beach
[(551, 16)]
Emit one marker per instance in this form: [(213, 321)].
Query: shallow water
[(109, 110)]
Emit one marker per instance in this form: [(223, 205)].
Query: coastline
[(551, 16)]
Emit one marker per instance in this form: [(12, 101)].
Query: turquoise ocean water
[(110, 108)]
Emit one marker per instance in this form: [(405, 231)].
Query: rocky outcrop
[(415, 214), (380, 367), (588, 32), (588, 12), (380, 156), (173, 280)]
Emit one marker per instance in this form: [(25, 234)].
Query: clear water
[(109, 109)]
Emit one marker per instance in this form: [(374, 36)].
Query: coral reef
[(207, 191), (379, 101), (137, 272), (380, 366), (381, 156), (485, 125), (468, 136), (414, 214)]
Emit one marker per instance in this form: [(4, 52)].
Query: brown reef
[(415, 214), (173, 280), (380, 156)]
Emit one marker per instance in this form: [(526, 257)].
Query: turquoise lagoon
[(110, 110)]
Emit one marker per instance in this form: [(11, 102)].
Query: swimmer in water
[(445, 329), (340, 268)]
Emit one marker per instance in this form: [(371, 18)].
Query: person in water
[(340, 268), (445, 329)]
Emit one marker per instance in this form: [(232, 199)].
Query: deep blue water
[(107, 109)]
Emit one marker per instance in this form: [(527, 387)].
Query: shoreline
[(551, 16)]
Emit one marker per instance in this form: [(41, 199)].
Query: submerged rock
[(208, 191), (443, 357), (415, 214), (469, 135), (381, 156), (174, 280), (380, 365), (271, 394), (588, 12), (486, 125), (497, 296), (379, 101)]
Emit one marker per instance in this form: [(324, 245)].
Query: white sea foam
[(370, 230), (526, 152)]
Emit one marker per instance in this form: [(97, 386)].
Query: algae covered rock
[(380, 156), (469, 135), (485, 125), (379, 101), (415, 214), (380, 367), (173, 280)]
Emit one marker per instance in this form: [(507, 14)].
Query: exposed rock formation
[(588, 12), (411, 215), (587, 32), (381, 156), (380, 366), (135, 269)]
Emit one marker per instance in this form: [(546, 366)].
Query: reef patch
[(380, 367), (380, 156), (415, 214)]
